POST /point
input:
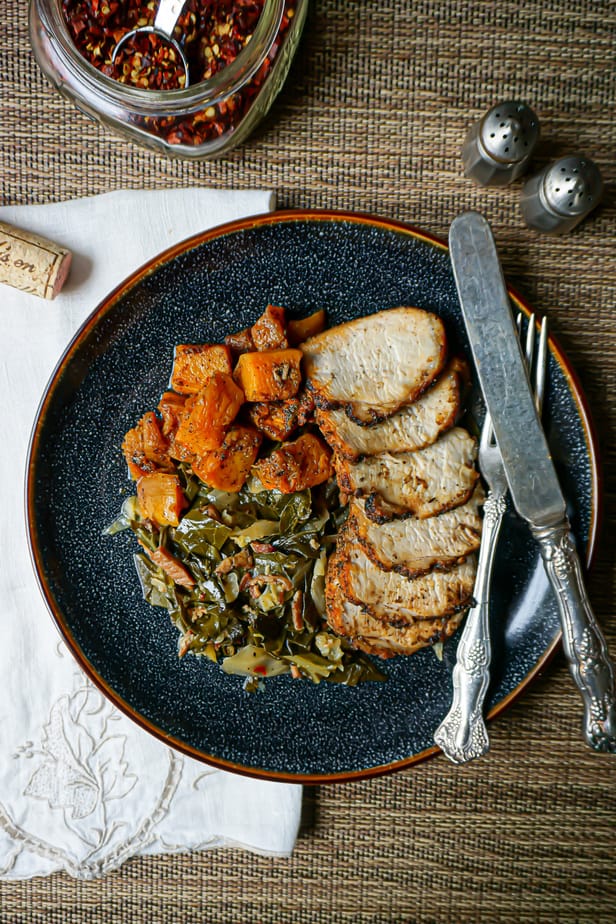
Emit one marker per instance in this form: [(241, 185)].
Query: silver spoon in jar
[(165, 21)]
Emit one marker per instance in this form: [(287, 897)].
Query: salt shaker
[(499, 146), (560, 196)]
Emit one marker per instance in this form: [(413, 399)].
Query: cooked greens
[(253, 599)]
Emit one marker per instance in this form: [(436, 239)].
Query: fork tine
[(541, 367), (529, 355), (530, 343), (487, 433)]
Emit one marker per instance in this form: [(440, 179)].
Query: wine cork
[(32, 263)]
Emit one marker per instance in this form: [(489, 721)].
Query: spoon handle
[(167, 15)]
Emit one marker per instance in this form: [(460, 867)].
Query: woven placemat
[(372, 118)]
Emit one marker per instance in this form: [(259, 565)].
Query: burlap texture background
[(372, 118)]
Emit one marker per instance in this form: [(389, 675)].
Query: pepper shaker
[(560, 196), (498, 147)]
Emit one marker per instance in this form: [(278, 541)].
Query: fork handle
[(462, 734), (583, 641)]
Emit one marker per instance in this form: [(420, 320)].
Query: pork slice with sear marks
[(373, 365), (421, 484), (412, 427), (398, 600), (414, 547), (374, 636)]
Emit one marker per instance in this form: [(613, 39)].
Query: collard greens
[(258, 561)]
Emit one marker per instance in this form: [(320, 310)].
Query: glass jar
[(205, 119)]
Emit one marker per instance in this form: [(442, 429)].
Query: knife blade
[(531, 476)]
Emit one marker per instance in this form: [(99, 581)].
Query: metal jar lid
[(573, 185), (560, 196), (498, 147), (509, 131)]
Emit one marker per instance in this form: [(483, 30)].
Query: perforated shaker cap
[(573, 185), (509, 131)]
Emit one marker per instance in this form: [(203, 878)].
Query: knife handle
[(583, 641), (462, 734)]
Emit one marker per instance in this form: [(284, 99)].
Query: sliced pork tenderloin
[(398, 600), (412, 427), (375, 637), (414, 547), (422, 484), (373, 365)]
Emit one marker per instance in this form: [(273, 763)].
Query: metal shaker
[(498, 147), (558, 198)]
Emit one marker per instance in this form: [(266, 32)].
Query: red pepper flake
[(146, 60), (212, 32), (260, 669)]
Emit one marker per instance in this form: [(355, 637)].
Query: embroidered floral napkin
[(82, 788)]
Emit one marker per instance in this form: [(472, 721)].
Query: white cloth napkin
[(82, 788)]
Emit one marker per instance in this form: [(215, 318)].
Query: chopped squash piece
[(194, 364), (180, 453), (145, 447), (161, 498), (171, 408), (155, 445), (240, 342), (271, 376), (207, 415), (269, 331), (134, 453), (279, 419), (171, 565), (298, 331), (301, 464), (228, 468)]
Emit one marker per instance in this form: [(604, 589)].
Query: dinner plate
[(115, 369)]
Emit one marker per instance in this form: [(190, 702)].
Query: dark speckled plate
[(115, 369)]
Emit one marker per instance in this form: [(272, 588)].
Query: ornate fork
[(462, 734)]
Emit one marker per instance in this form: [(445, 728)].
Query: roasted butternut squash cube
[(272, 376), (301, 464), (145, 447), (161, 498), (134, 453), (171, 409), (207, 415), (298, 331), (228, 468), (269, 331), (155, 443), (279, 419), (240, 343), (180, 453), (194, 364)]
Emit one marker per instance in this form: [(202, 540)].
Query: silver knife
[(531, 476)]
